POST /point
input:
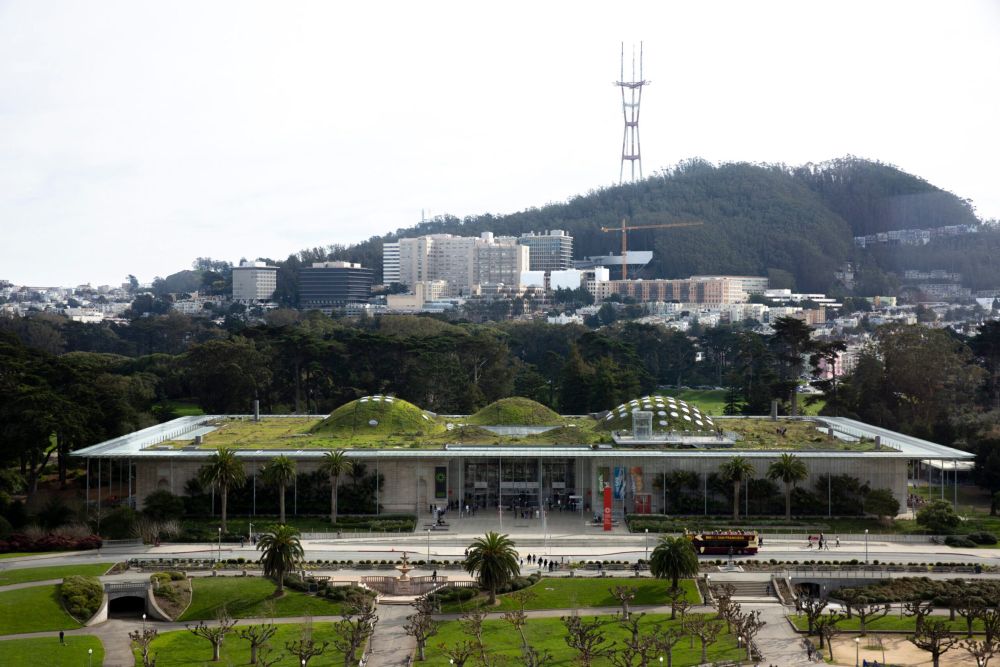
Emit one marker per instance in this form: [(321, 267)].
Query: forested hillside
[(793, 223)]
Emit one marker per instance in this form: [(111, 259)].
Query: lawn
[(890, 623), (250, 597), (22, 554), (49, 652), (8, 577), (550, 634), (713, 401), (574, 593), (33, 609), (181, 648)]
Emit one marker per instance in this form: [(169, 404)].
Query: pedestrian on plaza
[(838, 541), (434, 576), (62, 637)]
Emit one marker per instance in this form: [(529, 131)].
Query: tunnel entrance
[(127, 607)]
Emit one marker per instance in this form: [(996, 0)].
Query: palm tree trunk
[(736, 500), (224, 492), (493, 595), (281, 503), (788, 502), (334, 496)]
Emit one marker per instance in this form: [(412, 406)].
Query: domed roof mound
[(515, 411), (377, 414), (669, 414)]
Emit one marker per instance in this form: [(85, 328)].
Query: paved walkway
[(779, 644), (391, 646)]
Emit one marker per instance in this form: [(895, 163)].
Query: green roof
[(515, 411)]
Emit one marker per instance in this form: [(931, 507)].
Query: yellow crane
[(624, 229)]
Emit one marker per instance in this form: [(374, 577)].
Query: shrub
[(21, 542), (938, 516), (163, 506), (118, 523), (82, 596), (959, 541), (983, 537), (5, 528)]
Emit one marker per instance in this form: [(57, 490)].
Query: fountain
[(402, 584)]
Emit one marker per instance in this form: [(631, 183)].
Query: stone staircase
[(752, 591)]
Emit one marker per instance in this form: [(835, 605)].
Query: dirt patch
[(173, 597), (898, 652)]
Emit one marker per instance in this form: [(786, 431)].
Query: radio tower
[(631, 151)]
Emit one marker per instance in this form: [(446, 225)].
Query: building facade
[(390, 263), (330, 286), (463, 262), (551, 251), (254, 281), (712, 291)]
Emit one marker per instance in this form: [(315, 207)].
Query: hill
[(515, 411), (795, 224)]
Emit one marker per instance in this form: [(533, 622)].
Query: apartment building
[(254, 281), (463, 262), (551, 251)]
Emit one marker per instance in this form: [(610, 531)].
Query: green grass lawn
[(33, 609), (890, 623), (49, 652), (550, 634), (21, 554), (579, 593), (8, 577), (713, 401), (182, 649), (185, 408), (249, 597)]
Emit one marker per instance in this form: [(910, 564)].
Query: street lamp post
[(428, 546), (144, 624), (857, 647), (866, 546), (251, 532), (90, 657), (220, 544), (645, 542)]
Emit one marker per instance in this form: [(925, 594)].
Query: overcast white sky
[(136, 136)]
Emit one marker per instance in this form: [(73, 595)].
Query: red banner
[(607, 507)]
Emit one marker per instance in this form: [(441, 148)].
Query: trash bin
[(979, 569)]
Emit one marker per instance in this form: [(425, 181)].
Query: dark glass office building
[(329, 286)]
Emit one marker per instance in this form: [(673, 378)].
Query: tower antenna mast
[(631, 151)]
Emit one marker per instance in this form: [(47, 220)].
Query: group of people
[(541, 562), (822, 541)]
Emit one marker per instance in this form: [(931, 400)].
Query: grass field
[(250, 597), (183, 649), (21, 554), (8, 577), (185, 408), (49, 652), (890, 623), (550, 634), (574, 593), (34, 609), (713, 401)]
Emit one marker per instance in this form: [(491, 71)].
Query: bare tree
[(354, 630), (706, 631), (826, 628), (587, 639), (421, 626), (813, 608), (970, 609), (991, 623), (666, 642), (676, 596), (460, 653), (257, 635), (747, 627), (935, 638), (869, 611), (920, 610), (141, 639), (624, 595), (472, 624), (682, 607), (639, 648), (214, 634), (981, 650), (266, 657), (724, 604)]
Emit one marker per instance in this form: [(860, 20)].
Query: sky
[(136, 136)]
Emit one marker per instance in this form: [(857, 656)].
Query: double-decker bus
[(722, 542)]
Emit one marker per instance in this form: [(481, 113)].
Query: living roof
[(377, 415), (669, 415), (515, 411)]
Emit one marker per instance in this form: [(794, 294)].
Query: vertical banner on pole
[(607, 508), (440, 483)]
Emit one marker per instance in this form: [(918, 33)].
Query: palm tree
[(790, 470), (280, 551), (335, 464), (493, 559), (673, 558), (279, 472), (223, 471), (735, 470)]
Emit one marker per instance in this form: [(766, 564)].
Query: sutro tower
[(631, 151)]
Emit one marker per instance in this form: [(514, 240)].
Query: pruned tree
[(813, 608), (724, 604), (747, 626), (472, 625), (991, 623), (981, 650), (870, 611), (666, 641), (421, 626), (707, 631), (851, 598), (305, 648), (631, 625), (353, 631), (624, 595), (215, 634), (920, 610), (675, 596), (970, 609), (587, 639), (682, 607), (826, 628), (267, 657), (460, 653), (935, 638), (257, 635), (141, 639)]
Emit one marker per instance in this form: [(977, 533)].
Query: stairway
[(752, 590)]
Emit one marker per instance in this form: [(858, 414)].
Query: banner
[(619, 483), (607, 508), (636, 474), (441, 483), (603, 478)]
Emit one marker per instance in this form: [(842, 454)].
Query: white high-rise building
[(464, 262), (254, 281), (551, 251), (390, 263)]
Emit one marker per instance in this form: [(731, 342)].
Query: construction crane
[(624, 229)]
